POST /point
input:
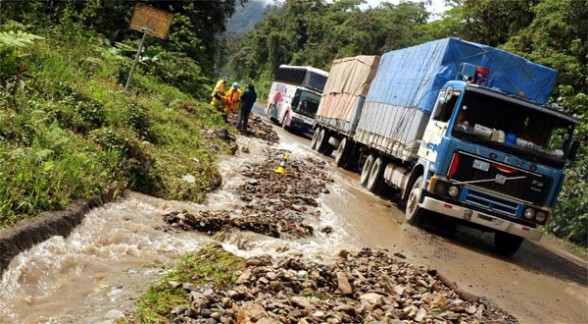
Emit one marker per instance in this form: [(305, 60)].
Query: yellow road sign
[(151, 21)]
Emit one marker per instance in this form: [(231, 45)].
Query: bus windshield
[(530, 133), (305, 103), (301, 76)]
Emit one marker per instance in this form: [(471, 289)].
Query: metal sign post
[(135, 62), (150, 21)]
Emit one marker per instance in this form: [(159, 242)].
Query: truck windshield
[(514, 128), (305, 103)]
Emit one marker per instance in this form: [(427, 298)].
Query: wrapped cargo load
[(345, 91), (405, 88)]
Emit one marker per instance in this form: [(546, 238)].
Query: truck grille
[(490, 202), (500, 178)]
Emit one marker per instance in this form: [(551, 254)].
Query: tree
[(489, 22)]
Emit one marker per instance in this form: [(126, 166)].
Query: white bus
[(295, 95)]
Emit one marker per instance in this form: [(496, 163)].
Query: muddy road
[(543, 282), (96, 274)]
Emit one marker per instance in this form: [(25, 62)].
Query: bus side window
[(295, 99)]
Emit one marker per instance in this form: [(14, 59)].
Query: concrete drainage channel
[(26, 234)]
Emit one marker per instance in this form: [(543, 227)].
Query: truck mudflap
[(480, 218)]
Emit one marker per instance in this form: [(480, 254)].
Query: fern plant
[(12, 70)]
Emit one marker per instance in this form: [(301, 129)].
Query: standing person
[(218, 93), (247, 101), (232, 100)]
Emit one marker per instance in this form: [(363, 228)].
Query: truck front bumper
[(480, 218)]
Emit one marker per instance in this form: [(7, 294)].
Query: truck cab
[(492, 159)]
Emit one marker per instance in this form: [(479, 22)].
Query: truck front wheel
[(413, 212), (506, 244)]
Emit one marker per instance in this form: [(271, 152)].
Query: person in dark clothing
[(247, 100)]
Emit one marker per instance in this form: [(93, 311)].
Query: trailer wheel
[(315, 139), (413, 212), (323, 143), (374, 182), (506, 244), (365, 170), (341, 155)]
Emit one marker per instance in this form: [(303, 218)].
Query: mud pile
[(275, 205), (365, 287), (267, 223), (258, 128)]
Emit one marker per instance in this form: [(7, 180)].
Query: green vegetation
[(68, 130), (211, 266), (549, 32)]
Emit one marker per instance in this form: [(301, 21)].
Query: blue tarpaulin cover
[(412, 77)]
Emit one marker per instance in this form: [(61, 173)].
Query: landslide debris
[(275, 205), (363, 287), (258, 128)]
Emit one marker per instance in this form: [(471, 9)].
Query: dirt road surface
[(543, 282)]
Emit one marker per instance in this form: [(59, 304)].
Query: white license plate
[(481, 165)]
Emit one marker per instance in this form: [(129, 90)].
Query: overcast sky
[(437, 6)]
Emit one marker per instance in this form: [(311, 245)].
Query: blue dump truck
[(456, 128)]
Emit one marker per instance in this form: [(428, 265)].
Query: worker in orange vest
[(232, 100)]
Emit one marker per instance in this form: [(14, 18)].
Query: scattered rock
[(291, 295), (276, 206), (343, 284), (114, 315), (189, 178)]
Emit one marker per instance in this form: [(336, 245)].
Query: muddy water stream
[(119, 250)]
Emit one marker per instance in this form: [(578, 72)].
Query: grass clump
[(68, 130), (211, 266)]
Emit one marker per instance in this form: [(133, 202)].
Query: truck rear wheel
[(315, 138), (506, 244), (413, 212), (341, 155), (374, 182), (323, 143), (366, 169)]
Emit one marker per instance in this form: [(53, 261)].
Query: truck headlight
[(453, 191), (529, 213), (541, 216)]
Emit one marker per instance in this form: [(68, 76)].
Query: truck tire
[(366, 169), (342, 153), (315, 139), (374, 182), (413, 213), (506, 244), (323, 143)]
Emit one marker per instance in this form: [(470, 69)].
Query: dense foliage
[(549, 32), (68, 130), (194, 31)]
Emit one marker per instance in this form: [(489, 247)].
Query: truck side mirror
[(574, 150)]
